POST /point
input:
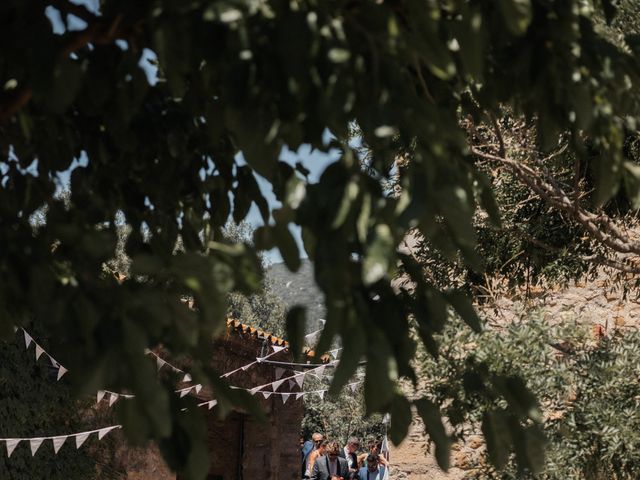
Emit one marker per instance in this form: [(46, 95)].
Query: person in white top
[(349, 453)]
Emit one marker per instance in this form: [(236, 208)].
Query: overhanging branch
[(599, 226)]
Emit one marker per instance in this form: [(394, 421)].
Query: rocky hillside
[(298, 288)]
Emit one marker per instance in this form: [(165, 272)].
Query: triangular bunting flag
[(334, 353), (100, 396), (255, 390), (321, 394), (323, 321), (184, 392), (103, 431), (198, 387), (299, 379), (147, 351), (53, 361), (39, 351), (277, 348), (353, 387), (35, 443), (319, 372), (279, 372), (12, 443), (266, 394), (81, 437), (187, 378), (277, 384), (113, 398), (292, 383), (299, 394), (160, 363), (212, 404), (57, 443), (259, 360), (61, 372), (27, 339), (285, 397), (245, 367)]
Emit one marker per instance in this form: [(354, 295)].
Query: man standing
[(316, 440), (349, 453), (331, 466), (372, 471)]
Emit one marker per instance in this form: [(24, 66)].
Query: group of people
[(325, 460)]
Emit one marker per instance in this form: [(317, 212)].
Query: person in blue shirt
[(373, 471)]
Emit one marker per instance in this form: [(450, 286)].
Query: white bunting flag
[(334, 352), (212, 404), (266, 394), (285, 397), (299, 379), (184, 392), (353, 387), (277, 348), (27, 339), (321, 394), (12, 443), (198, 387), (246, 367), (187, 378), (39, 351), (319, 372), (259, 360), (160, 363), (147, 351), (255, 390), (57, 443), (322, 321), (292, 383), (277, 384), (35, 443), (80, 438), (113, 398), (100, 396), (61, 372), (279, 372), (54, 362), (299, 395), (103, 431)]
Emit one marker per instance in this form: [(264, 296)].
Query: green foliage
[(338, 417), (249, 78), (586, 399), (34, 404)]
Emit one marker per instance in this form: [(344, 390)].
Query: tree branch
[(99, 31), (600, 226)]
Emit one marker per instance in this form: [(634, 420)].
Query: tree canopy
[(175, 156)]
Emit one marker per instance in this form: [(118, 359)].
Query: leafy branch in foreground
[(176, 153)]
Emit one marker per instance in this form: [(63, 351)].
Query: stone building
[(240, 446)]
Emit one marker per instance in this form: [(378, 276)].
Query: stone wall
[(592, 303), (267, 450), (240, 446)]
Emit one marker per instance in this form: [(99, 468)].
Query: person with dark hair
[(330, 466), (349, 453), (374, 448), (373, 470)]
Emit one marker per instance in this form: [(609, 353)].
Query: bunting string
[(28, 340), (57, 441)]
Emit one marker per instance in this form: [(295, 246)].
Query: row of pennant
[(297, 378), (58, 441), (111, 397)]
